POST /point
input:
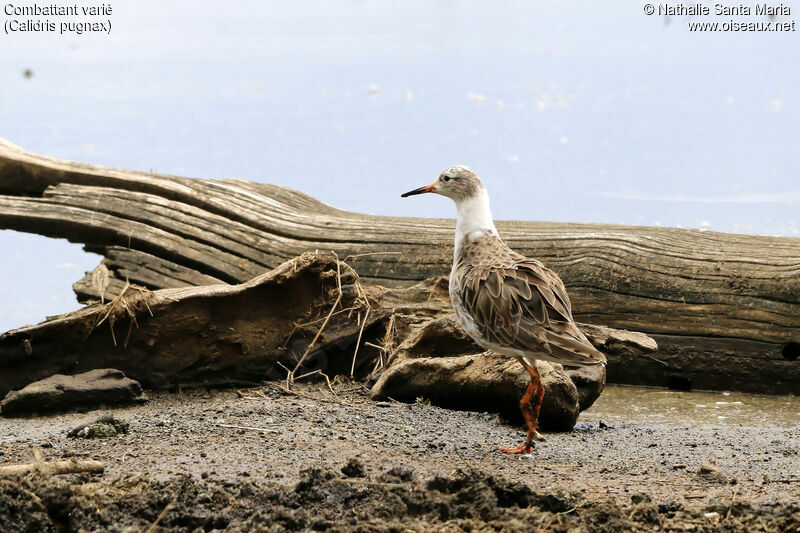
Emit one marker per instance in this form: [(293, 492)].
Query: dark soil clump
[(325, 501), (354, 468)]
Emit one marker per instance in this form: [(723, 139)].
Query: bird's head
[(457, 183)]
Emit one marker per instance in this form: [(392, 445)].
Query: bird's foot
[(522, 449), (538, 436)]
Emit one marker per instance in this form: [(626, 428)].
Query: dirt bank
[(222, 459), (331, 500)]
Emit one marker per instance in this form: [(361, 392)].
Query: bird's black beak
[(421, 190)]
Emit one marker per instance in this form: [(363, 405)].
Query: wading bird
[(508, 303)]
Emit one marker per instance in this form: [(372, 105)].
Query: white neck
[(474, 218)]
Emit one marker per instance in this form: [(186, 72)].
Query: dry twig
[(52, 468), (357, 256), (250, 428), (303, 395), (358, 341), (387, 345), (324, 375), (153, 526)]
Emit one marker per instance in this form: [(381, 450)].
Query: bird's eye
[(446, 178)]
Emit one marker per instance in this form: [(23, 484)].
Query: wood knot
[(791, 351)]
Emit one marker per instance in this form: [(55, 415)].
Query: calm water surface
[(570, 112), (620, 404)]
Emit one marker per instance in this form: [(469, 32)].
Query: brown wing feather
[(522, 304)]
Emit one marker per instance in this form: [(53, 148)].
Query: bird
[(508, 303)]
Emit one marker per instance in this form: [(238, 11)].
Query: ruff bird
[(508, 303)]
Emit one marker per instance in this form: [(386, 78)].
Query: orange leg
[(530, 413)]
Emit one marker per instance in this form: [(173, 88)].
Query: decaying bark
[(208, 335), (724, 309)]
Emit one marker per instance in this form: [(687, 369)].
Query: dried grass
[(361, 304), (131, 301), (387, 347)]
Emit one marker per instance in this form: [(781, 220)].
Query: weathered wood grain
[(724, 308), (143, 269)]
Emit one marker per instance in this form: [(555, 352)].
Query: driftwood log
[(724, 308), (308, 316), (209, 335)]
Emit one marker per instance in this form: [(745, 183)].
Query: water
[(570, 112), (621, 404), (37, 277)]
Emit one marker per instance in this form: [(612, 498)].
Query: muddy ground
[(264, 460)]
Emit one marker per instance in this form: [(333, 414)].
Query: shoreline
[(264, 435), (257, 459)]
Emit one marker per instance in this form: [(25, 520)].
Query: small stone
[(102, 428), (60, 393), (709, 467), (641, 497), (710, 471), (96, 431)]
